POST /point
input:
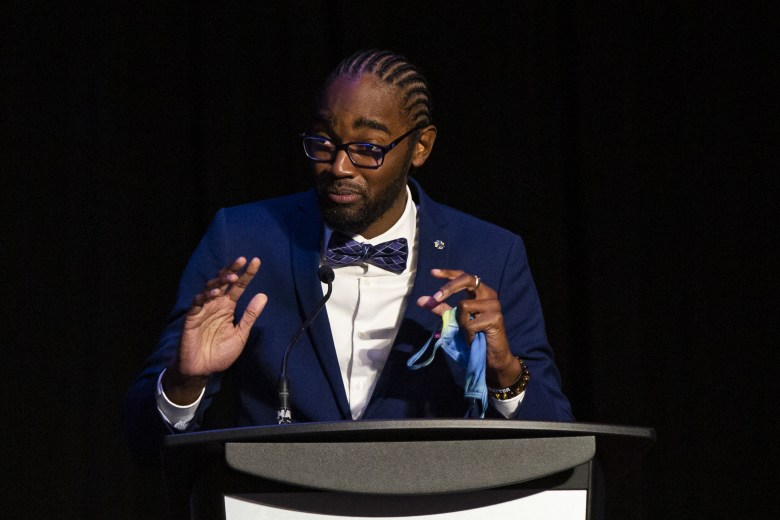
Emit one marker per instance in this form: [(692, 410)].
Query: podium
[(453, 468)]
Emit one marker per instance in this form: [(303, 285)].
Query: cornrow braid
[(393, 69)]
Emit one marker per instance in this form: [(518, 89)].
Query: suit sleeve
[(544, 400)]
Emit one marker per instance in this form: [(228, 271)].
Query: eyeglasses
[(362, 155)]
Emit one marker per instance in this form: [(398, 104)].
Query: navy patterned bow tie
[(391, 255)]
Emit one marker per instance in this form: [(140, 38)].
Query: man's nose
[(342, 166)]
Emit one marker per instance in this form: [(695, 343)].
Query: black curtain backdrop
[(629, 143)]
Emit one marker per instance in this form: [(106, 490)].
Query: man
[(234, 317)]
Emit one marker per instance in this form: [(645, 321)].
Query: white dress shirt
[(366, 308)]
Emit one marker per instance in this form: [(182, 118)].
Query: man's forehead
[(328, 119), (363, 102)]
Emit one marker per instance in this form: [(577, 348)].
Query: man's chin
[(349, 218)]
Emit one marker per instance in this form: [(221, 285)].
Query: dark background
[(629, 143)]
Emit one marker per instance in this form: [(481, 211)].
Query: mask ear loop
[(471, 357)]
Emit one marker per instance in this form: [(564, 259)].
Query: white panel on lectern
[(557, 505)]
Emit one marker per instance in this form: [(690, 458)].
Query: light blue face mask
[(472, 358)]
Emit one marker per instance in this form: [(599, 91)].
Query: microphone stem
[(303, 328), (283, 414)]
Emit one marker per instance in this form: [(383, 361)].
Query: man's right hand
[(210, 342)]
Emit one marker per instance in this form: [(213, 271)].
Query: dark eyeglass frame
[(345, 146)]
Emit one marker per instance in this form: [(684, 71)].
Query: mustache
[(340, 187)]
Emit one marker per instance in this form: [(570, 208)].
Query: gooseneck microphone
[(283, 415)]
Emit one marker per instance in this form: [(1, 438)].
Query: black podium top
[(633, 438), (618, 448)]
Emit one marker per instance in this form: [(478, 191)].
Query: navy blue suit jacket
[(285, 233)]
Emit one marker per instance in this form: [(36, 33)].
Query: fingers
[(480, 315), (429, 303), (252, 311), (236, 289), (231, 281), (461, 281), (472, 309), (226, 276), (480, 312)]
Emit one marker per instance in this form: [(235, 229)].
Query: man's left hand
[(480, 312)]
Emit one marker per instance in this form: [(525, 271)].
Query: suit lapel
[(431, 253), (306, 232)]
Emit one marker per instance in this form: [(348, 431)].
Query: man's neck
[(388, 219)]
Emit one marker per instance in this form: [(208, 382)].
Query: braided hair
[(394, 70)]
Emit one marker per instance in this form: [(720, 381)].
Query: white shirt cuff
[(176, 416), (508, 407)]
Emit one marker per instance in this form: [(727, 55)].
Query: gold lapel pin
[(439, 244)]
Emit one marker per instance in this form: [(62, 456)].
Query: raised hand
[(480, 312), (210, 341)]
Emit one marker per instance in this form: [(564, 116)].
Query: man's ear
[(424, 145)]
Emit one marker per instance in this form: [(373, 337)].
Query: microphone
[(283, 415)]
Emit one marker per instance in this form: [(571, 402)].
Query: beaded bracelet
[(516, 388)]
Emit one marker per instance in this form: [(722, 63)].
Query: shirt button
[(368, 283)]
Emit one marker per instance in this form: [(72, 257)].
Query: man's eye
[(321, 144), (366, 149)]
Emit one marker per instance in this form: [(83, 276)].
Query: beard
[(355, 217)]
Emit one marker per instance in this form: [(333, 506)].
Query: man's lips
[(343, 196)]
